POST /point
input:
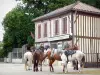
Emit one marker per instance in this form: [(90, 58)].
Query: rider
[(41, 47), (69, 47), (32, 48)]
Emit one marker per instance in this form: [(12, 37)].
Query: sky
[(5, 7)]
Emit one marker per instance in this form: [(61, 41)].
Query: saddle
[(69, 52)]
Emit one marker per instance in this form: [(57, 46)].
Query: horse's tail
[(83, 61)]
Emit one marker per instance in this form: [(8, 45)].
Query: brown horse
[(52, 59), (38, 57)]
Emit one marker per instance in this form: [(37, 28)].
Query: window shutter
[(64, 25), (39, 31), (45, 30), (56, 27)]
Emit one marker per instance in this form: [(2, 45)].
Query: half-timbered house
[(77, 23)]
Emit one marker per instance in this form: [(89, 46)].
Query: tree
[(46, 6), (17, 26), (95, 3), (1, 50)]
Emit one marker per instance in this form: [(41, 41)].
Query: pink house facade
[(52, 30)]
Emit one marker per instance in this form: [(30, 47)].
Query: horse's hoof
[(34, 70), (52, 71), (37, 70), (29, 69), (63, 71)]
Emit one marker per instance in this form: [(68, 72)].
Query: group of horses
[(37, 56)]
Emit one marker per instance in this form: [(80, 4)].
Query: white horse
[(28, 58), (78, 57)]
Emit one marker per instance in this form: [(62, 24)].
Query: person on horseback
[(32, 48), (28, 48), (41, 47), (69, 47)]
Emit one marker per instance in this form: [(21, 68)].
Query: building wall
[(51, 29), (42, 31), (86, 34), (86, 31)]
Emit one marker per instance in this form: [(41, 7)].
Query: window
[(39, 31), (56, 27), (45, 30), (64, 25)]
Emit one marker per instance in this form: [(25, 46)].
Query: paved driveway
[(18, 69)]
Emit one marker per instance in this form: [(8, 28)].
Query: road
[(18, 69)]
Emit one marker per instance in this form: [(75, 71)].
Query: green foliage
[(30, 41), (46, 6), (1, 50), (17, 26), (1, 53), (95, 3)]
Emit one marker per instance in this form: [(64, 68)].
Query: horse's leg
[(63, 68), (37, 65), (25, 66), (83, 62), (29, 64), (40, 65), (82, 66), (78, 67), (51, 67), (34, 66)]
